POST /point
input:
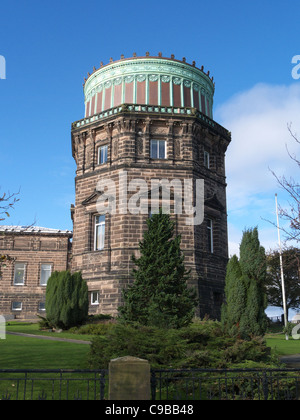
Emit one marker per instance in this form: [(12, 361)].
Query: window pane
[(100, 219), (16, 306), (99, 232), (46, 270), (162, 149), (42, 306), (210, 236), (103, 154), (19, 277), (206, 159), (100, 240), (158, 149), (95, 298), (153, 152)]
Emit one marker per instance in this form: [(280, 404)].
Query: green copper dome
[(148, 80)]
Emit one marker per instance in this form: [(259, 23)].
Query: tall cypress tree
[(236, 297), (254, 269), (244, 311), (159, 295)]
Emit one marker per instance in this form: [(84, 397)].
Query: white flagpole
[(282, 275)]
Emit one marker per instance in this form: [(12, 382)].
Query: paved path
[(292, 360), (45, 337)]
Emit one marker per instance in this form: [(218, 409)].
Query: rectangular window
[(46, 270), (42, 307), (158, 149), (16, 306), (95, 298), (206, 159), (19, 276), (210, 243), (102, 154), (99, 232)]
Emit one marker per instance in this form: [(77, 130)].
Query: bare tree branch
[(7, 202), (291, 214)]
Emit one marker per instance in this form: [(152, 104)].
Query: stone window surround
[(16, 309), (94, 302), (158, 141), (99, 149), (40, 272), (15, 272), (95, 230)]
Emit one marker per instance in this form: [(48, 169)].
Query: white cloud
[(268, 237), (258, 120)]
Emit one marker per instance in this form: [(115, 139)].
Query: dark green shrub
[(99, 317), (161, 347), (201, 345), (66, 299), (44, 323), (92, 329), (241, 350), (198, 359)]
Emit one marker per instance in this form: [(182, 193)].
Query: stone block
[(129, 379)]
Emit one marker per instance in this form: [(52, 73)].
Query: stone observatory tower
[(148, 140)]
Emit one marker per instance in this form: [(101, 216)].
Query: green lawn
[(18, 352), (281, 346), (33, 353)]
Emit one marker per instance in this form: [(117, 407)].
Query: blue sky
[(50, 46)]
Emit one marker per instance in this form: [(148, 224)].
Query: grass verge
[(281, 346), (34, 353)]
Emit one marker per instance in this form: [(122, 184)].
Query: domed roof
[(157, 81)]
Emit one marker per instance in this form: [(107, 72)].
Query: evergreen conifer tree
[(159, 295), (236, 297), (244, 311), (66, 299), (254, 269)]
